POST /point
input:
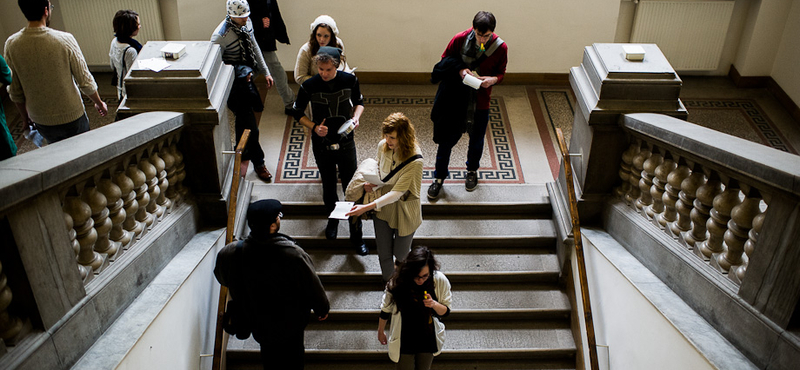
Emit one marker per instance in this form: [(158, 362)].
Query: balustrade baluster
[(151, 176), (116, 212), (142, 198), (700, 214), (180, 171), (648, 173), (635, 176), (739, 226), (102, 224), (718, 223), (625, 171), (737, 273), (169, 166), (656, 210), (10, 325), (129, 206), (671, 195), (81, 215), (685, 203)]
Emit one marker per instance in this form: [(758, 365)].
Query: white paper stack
[(472, 81)]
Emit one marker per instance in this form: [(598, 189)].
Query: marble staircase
[(509, 309)]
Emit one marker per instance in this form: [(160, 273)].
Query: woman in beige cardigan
[(323, 33), (399, 212)]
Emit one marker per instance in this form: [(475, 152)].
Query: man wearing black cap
[(274, 282), (335, 98)]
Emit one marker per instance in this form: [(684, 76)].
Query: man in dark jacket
[(480, 52), (269, 28), (274, 283)]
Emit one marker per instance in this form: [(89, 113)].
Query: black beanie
[(262, 214)]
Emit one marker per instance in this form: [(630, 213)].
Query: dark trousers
[(284, 351), (246, 119), (64, 131), (243, 100), (474, 152), (327, 161)]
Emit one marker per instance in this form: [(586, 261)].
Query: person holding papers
[(399, 212)]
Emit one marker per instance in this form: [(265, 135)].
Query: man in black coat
[(274, 283), (269, 28)]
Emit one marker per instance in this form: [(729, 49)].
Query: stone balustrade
[(73, 211), (731, 202)]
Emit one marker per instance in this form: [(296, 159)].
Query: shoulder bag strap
[(400, 167)]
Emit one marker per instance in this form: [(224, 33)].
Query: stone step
[(252, 361), (539, 233), (452, 261), (470, 302), (508, 339), (494, 201)]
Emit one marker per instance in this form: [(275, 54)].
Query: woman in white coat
[(124, 48), (417, 295)]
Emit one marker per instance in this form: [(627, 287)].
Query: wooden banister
[(576, 232)]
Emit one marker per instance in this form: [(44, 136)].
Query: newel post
[(606, 86)]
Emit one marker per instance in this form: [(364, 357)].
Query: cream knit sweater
[(46, 65)]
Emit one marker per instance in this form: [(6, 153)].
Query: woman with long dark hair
[(124, 48), (417, 295), (323, 33)]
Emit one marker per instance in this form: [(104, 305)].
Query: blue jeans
[(474, 152), (64, 131)]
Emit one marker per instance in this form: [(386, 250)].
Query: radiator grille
[(90, 22), (690, 34)]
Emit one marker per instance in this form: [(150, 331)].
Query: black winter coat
[(266, 37), (449, 112)]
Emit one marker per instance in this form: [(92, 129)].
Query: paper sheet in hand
[(472, 81), (373, 178), (341, 209)]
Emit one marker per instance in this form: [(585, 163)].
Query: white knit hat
[(326, 19)]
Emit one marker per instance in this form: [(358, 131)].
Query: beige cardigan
[(305, 67), (404, 215)]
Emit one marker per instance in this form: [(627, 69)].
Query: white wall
[(185, 328), (762, 35), (409, 36), (786, 70), (636, 334)]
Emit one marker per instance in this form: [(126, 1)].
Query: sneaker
[(332, 230), (263, 173), (435, 189), (472, 180)]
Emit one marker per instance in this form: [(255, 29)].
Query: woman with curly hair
[(399, 212), (417, 295)]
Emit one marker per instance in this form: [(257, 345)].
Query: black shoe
[(362, 249), (472, 180), (435, 189), (332, 230), (288, 111)]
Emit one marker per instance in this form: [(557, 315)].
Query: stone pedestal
[(606, 86), (198, 85)]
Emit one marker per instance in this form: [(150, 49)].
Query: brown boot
[(263, 173)]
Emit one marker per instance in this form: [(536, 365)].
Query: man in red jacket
[(484, 55)]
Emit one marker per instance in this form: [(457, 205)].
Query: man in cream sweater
[(46, 65)]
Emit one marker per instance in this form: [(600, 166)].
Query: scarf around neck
[(130, 41), (243, 33)]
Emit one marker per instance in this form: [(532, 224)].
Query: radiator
[(691, 34), (90, 22)]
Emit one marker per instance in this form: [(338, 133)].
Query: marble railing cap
[(751, 160), (26, 175)]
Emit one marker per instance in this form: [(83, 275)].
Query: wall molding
[(768, 83)]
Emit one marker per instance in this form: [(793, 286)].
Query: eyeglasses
[(423, 277)]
